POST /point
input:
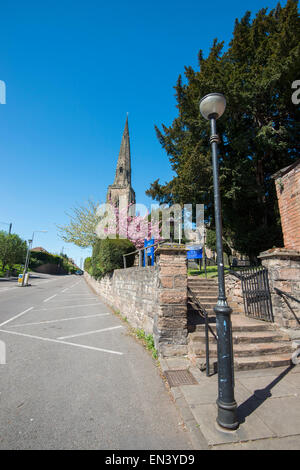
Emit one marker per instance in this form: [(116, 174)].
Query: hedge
[(88, 264), (108, 255)]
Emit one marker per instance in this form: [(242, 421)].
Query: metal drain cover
[(176, 378)]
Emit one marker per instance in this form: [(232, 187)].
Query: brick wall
[(284, 274), (170, 328), (287, 183)]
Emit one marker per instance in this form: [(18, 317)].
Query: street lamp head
[(212, 105)]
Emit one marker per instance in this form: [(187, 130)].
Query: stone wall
[(234, 291), (284, 274), (153, 298), (133, 292)]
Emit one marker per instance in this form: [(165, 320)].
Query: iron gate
[(256, 293)]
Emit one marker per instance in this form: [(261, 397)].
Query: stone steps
[(256, 344), (253, 362), (249, 337), (197, 348)]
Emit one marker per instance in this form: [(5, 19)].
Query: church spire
[(122, 182), (123, 170)]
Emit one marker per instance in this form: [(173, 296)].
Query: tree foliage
[(259, 131), (82, 226), (12, 249), (108, 255)]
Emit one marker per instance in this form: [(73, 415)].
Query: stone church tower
[(122, 183)]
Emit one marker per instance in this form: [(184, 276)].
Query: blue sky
[(72, 71)]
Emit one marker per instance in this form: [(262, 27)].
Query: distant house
[(39, 248)]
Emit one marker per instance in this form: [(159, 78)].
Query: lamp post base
[(227, 416), (227, 407)]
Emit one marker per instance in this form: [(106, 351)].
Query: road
[(74, 378)]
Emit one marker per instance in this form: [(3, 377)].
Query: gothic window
[(121, 169)]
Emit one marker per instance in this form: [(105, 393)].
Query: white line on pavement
[(16, 316), (66, 306), (90, 332), (83, 346), (49, 298), (61, 319)]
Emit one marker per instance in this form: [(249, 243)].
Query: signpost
[(196, 252), (148, 252)]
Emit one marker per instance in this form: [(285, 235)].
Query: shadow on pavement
[(259, 397)]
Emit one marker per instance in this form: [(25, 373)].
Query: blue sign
[(194, 254), (149, 251)]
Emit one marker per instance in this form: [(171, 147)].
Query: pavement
[(268, 408), (73, 377)]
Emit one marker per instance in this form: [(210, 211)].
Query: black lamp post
[(212, 107)]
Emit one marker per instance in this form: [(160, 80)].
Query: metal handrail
[(203, 313), (139, 250), (284, 294)]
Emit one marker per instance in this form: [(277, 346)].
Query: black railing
[(256, 292), (203, 313), (284, 294)]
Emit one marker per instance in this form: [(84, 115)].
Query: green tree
[(259, 131), (82, 225), (12, 250)]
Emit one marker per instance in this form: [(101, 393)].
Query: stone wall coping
[(282, 253), (285, 170), (170, 247), (135, 268)]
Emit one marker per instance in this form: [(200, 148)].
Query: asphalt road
[(74, 378)]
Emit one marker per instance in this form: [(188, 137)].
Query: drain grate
[(176, 378)]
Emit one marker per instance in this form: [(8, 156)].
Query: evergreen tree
[(259, 131)]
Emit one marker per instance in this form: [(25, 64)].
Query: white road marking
[(66, 306), (67, 288), (90, 332), (78, 299), (16, 316), (59, 320), (76, 284), (78, 295), (49, 298), (83, 346)]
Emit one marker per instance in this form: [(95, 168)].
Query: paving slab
[(269, 387), (284, 443), (206, 393), (282, 415), (268, 408), (253, 428)]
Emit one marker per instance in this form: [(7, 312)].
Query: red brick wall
[(288, 193)]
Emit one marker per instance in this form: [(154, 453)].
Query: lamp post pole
[(28, 254), (26, 261), (212, 107)]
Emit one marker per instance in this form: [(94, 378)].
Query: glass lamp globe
[(212, 105)]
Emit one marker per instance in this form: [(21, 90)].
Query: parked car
[(78, 272)]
